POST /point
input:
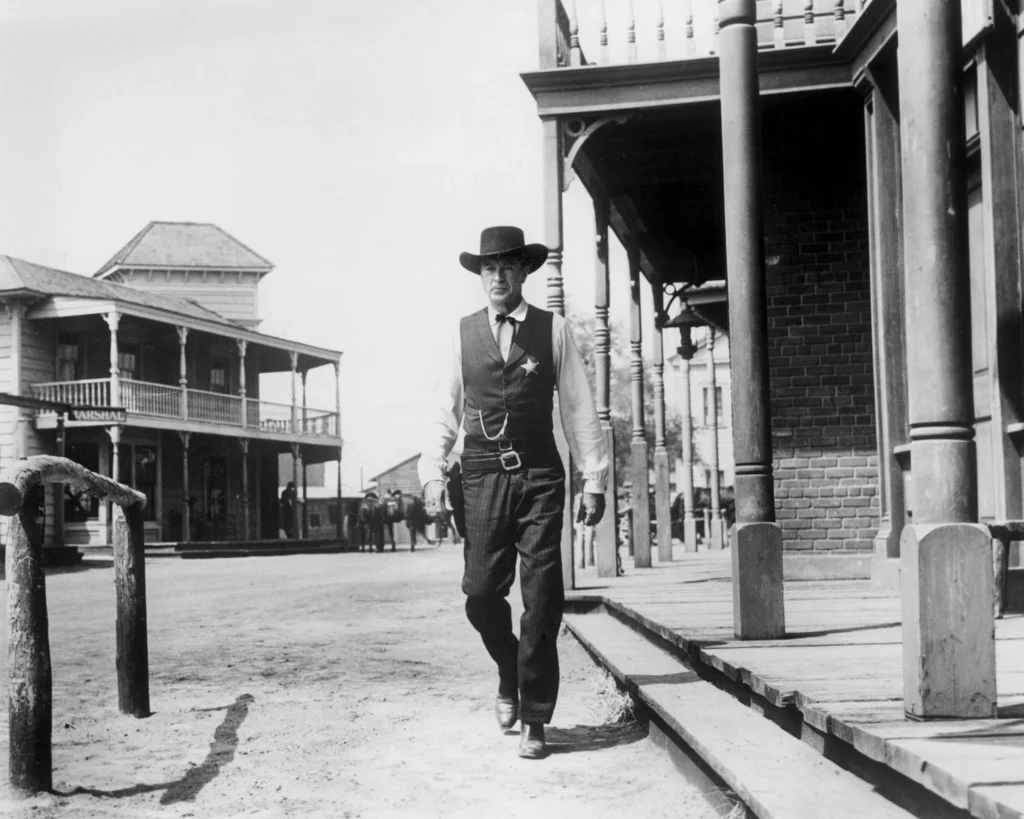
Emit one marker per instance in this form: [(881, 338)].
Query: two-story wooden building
[(166, 331), (853, 170)]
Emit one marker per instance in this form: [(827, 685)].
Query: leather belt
[(508, 460)]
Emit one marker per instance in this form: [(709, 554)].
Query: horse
[(399, 506), (370, 519)]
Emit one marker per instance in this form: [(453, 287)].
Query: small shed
[(403, 476)]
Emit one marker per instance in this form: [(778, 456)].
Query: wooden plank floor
[(841, 665)]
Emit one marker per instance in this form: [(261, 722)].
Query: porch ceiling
[(663, 172)]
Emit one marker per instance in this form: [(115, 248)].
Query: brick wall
[(819, 329)]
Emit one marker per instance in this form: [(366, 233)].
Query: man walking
[(505, 364)]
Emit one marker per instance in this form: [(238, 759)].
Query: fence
[(28, 644)]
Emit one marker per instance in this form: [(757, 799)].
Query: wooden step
[(776, 775)]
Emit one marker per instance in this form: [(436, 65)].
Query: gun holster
[(454, 498)]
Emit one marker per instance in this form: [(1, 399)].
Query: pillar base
[(718, 534), (757, 602), (885, 562), (641, 530), (690, 534), (663, 505), (949, 648)]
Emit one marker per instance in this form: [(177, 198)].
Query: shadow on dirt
[(592, 737), (222, 751)]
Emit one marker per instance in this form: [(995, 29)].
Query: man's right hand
[(433, 500)]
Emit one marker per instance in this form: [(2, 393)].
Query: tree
[(583, 325)]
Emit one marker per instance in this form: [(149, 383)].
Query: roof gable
[(195, 245)]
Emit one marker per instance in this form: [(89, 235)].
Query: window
[(332, 514), (314, 520), (67, 357), (218, 376), (720, 418), (128, 361)]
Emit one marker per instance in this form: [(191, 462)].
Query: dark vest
[(508, 402)]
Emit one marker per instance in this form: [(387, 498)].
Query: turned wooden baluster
[(575, 55), (603, 41), (809, 36), (840, 16), (631, 35), (777, 24), (689, 48), (661, 30), (718, 29)]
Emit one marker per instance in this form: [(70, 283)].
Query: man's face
[(502, 279)]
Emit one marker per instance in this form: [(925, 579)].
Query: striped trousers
[(510, 514)]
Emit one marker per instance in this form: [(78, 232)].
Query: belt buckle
[(514, 462)]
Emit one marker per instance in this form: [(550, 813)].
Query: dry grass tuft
[(614, 705)]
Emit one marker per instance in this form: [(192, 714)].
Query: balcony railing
[(163, 401), (605, 32)]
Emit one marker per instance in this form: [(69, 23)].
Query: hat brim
[(534, 254)]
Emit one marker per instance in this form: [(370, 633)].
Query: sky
[(360, 146)]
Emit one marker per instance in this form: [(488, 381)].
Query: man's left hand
[(593, 508)]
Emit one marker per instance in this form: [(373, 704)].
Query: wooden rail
[(28, 646)]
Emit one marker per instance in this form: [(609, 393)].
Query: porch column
[(662, 499), (882, 139), (553, 239), (58, 488), (114, 511), (715, 541), (337, 416), (305, 507), (300, 516), (183, 371), (641, 533), (607, 530), (758, 611), (113, 319), (945, 557), (295, 393), (186, 508), (686, 350), (242, 346), (305, 411), (244, 444), (16, 313)]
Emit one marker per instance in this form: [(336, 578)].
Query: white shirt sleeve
[(576, 407), (445, 420)]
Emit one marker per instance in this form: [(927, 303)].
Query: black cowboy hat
[(504, 241)]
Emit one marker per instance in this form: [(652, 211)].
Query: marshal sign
[(100, 415)]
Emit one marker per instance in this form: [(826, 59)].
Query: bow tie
[(501, 319)]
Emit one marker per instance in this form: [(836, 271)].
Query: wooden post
[(715, 541), (553, 239), (305, 410), (810, 36), (186, 511), (244, 444), (641, 533), (689, 47), (758, 608), (882, 140), (660, 31), (662, 493), (130, 582), (113, 512), (778, 24), (305, 499), (183, 371), (946, 557), (242, 346), (28, 653), (30, 685), (603, 36), (295, 481), (631, 34), (686, 351), (337, 409), (58, 488), (607, 530), (294, 358)]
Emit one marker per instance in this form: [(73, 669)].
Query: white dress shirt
[(575, 404)]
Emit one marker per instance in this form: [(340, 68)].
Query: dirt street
[(319, 686)]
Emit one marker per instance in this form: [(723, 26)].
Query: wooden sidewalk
[(841, 666)]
